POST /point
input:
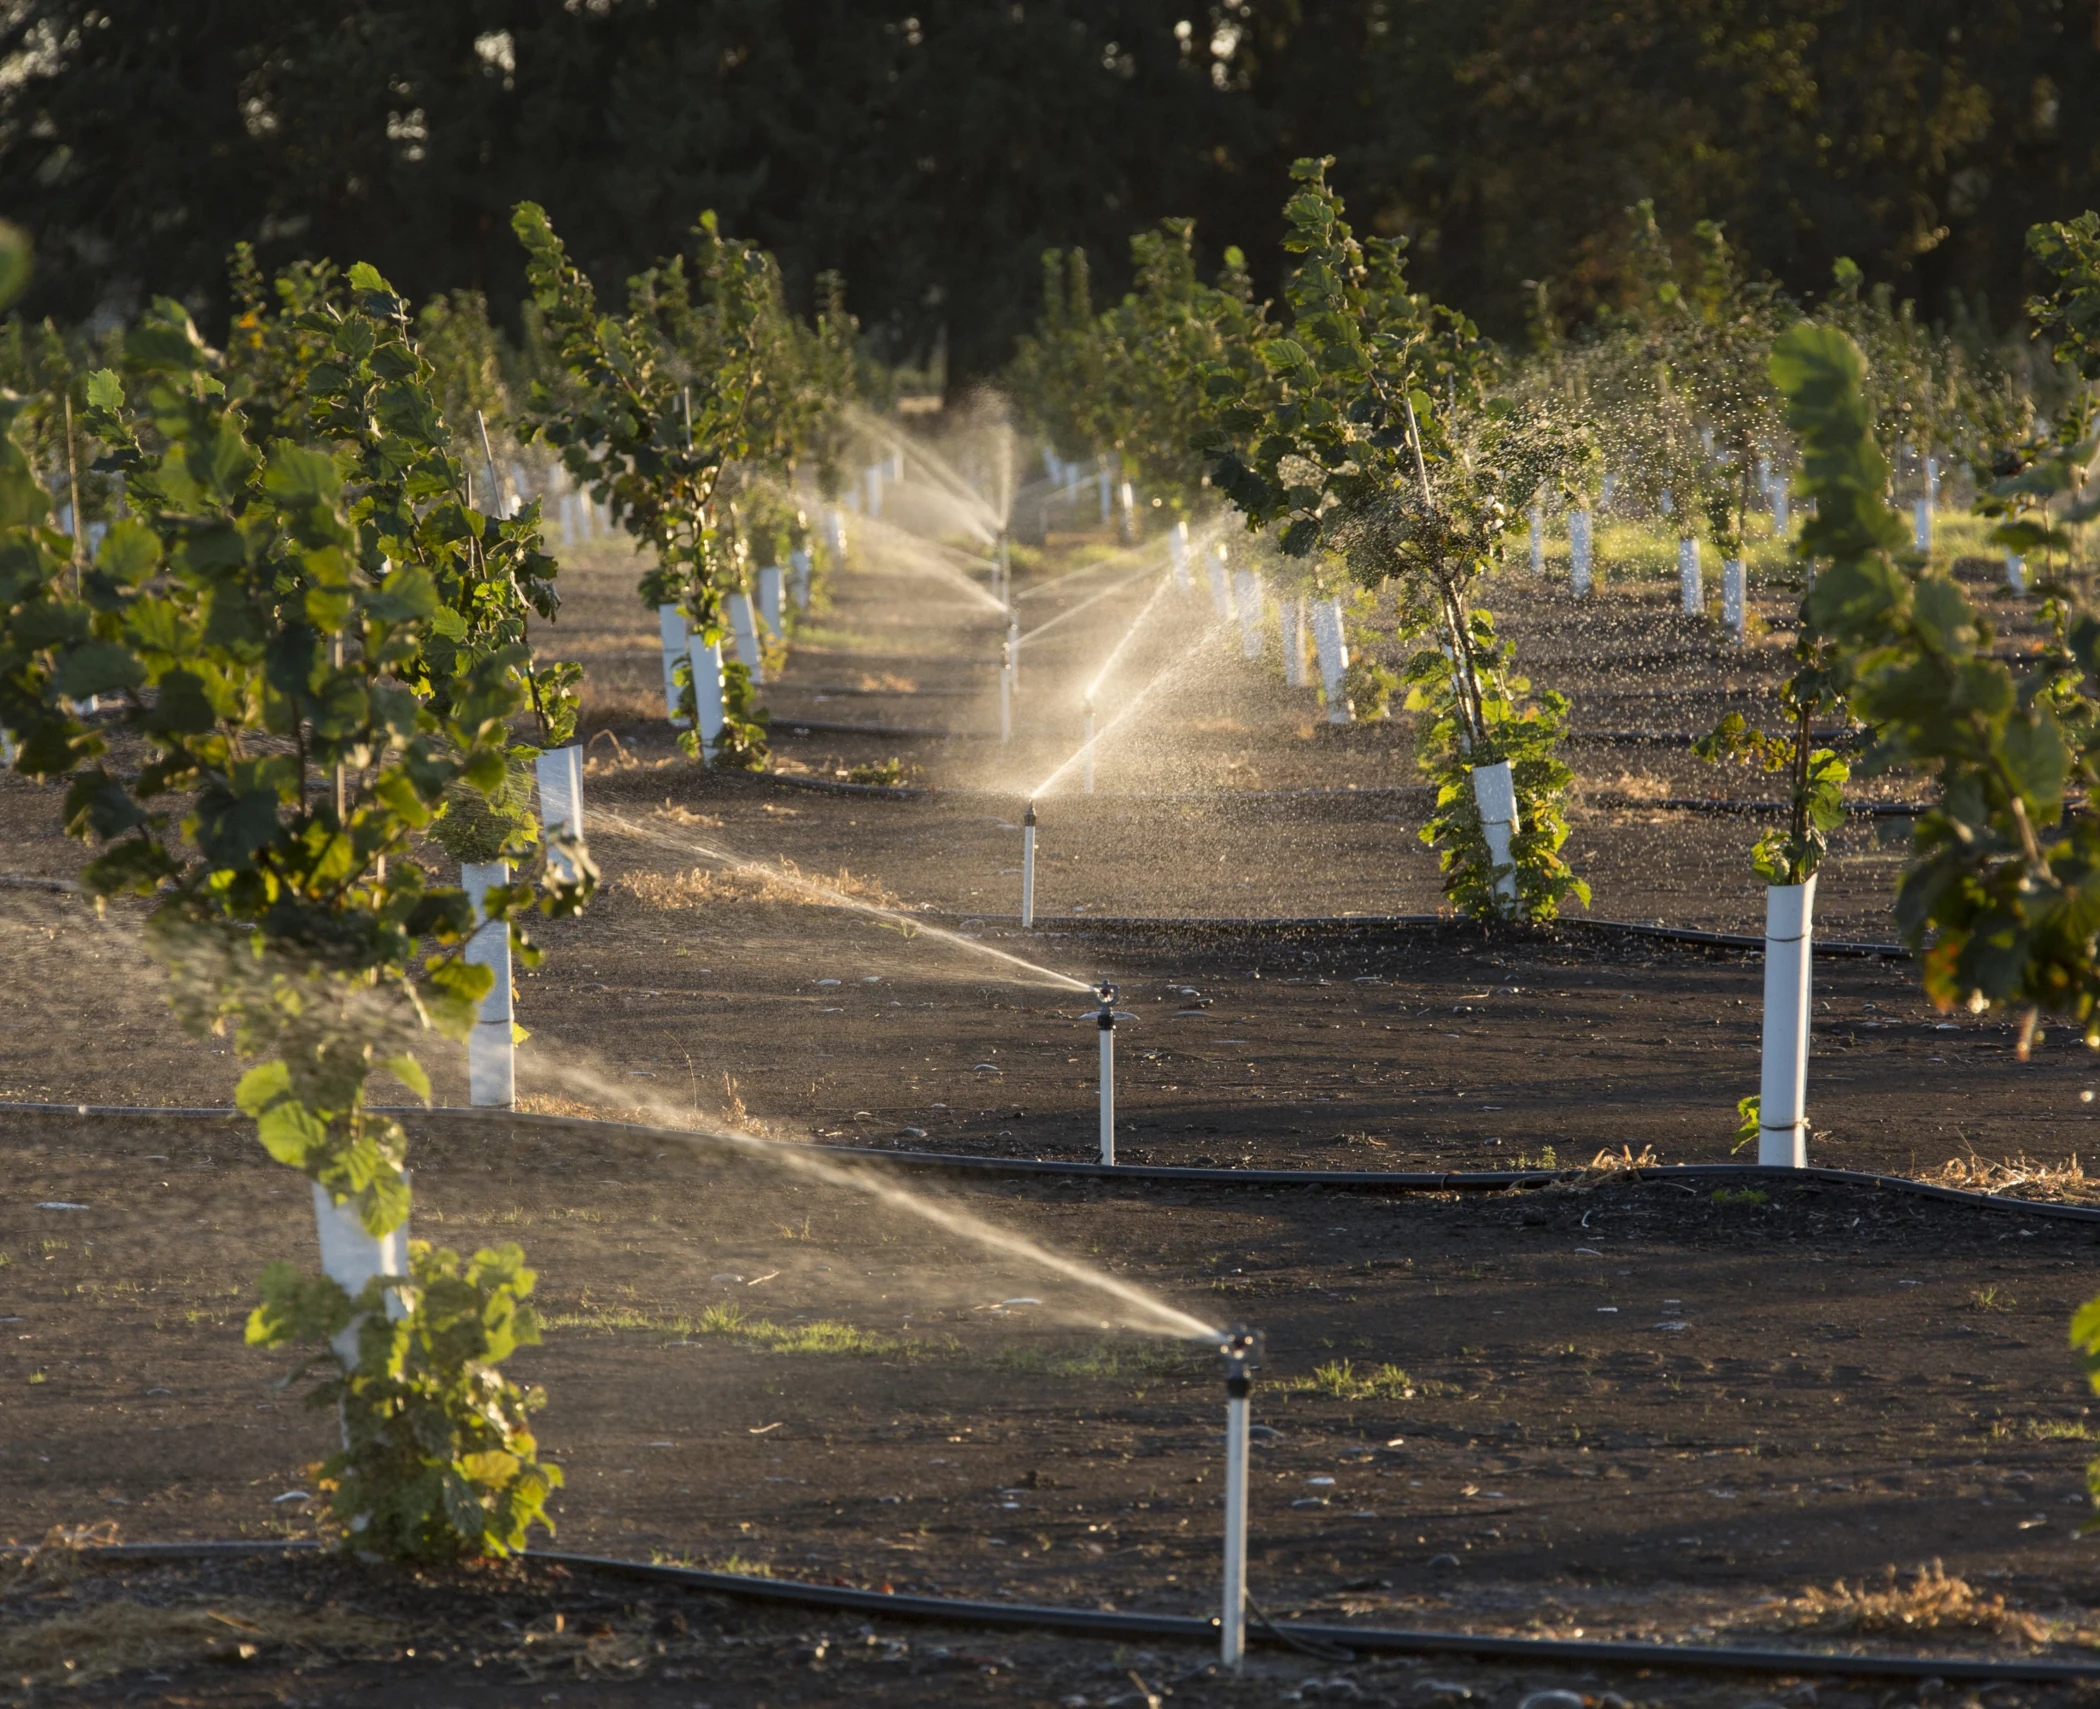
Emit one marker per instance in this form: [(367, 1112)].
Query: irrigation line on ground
[(1342, 1180), (1203, 1629)]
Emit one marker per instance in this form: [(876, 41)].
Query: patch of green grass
[(1339, 1379), (1991, 1298), (824, 1335), (1741, 1196)]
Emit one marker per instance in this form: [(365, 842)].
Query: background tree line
[(930, 150)]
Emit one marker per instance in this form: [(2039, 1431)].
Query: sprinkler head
[(1241, 1348), (1107, 993), (1028, 818)]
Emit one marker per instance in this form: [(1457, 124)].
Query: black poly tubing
[(1202, 1629), (1354, 1180)]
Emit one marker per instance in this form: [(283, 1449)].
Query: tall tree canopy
[(932, 149)]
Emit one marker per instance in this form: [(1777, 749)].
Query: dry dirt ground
[(1611, 1407)]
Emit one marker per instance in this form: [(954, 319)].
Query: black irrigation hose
[(1165, 1174), (1329, 1642)]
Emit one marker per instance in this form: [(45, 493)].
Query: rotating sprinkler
[(1028, 868), (1105, 1018), (1241, 1350)]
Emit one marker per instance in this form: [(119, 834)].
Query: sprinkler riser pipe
[(1691, 579), (769, 589), (1251, 603), (1232, 1613), (1294, 644), (743, 632), (1782, 1136), (707, 693), (1579, 536), (1028, 869), (351, 1256), (1332, 646), (1108, 1090), (1735, 616), (670, 622), (1495, 794), (491, 1054), (561, 803)]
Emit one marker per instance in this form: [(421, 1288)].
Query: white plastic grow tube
[(798, 559), (1178, 556), (1250, 601), (872, 481), (1782, 1122), (1332, 646), (707, 693), (1495, 793), (1294, 620), (670, 621), (351, 1256), (1579, 536), (769, 598), (491, 1055), (561, 803), (2016, 572), (1221, 586), (1734, 611), (1921, 527), (743, 630), (1538, 540), (1691, 578)]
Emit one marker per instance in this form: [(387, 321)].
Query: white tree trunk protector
[(1294, 643), (1251, 603), (769, 608), (1538, 541), (1734, 611), (799, 559), (350, 1257), (871, 478), (1495, 793), (561, 802), (1221, 588), (707, 694), (671, 622), (1178, 556), (743, 633), (1782, 1095), (2016, 572), (1579, 551), (1782, 508), (1333, 649), (835, 533), (1921, 526), (491, 1078), (1691, 579)]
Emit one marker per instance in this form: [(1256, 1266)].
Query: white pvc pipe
[(2016, 572), (799, 559), (1782, 1125), (561, 803), (1178, 555), (1232, 1614), (769, 601), (1294, 643), (1538, 541), (743, 631), (1921, 526), (1028, 868), (351, 1257), (1495, 793), (1332, 646), (670, 622), (1108, 1089), (1691, 578), (491, 1056), (1250, 601), (1579, 551), (707, 693), (1735, 616)]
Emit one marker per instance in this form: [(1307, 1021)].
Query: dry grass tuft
[(886, 682), (1931, 1601), (547, 1104), (698, 887), (2022, 1177)]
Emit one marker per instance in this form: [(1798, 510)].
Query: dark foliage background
[(931, 149)]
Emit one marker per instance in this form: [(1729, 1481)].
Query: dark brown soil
[(1812, 1384)]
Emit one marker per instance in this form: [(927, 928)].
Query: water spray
[(1105, 1019), (1006, 688), (1028, 869), (1734, 613), (1241, 1349), (1332, 646), (1249, 600), (491, 1054), (1178, 556), (1579, 535), (1538, 540), (1691, 578), (1294, 643), (1087, 748), (1221, 585)]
